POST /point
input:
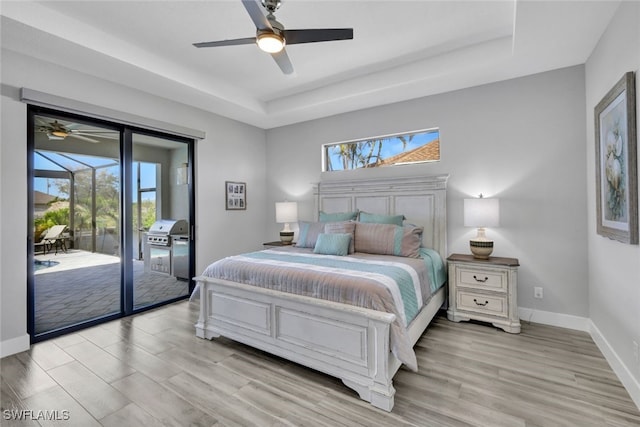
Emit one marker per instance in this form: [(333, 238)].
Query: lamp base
[(286, 237), (481, 249)]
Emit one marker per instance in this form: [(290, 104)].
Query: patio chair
[(55, 238), (39, 246)]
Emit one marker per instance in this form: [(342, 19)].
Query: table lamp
[(481, 212), (286, 212)]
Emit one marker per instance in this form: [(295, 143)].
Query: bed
[(357, 344)]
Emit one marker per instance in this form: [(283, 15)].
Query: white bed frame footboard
[(345, 341)]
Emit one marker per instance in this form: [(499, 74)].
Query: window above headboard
[(386, 150)]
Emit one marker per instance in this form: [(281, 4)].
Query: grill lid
[(169, 226)]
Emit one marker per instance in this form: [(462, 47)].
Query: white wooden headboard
[(421, 199)]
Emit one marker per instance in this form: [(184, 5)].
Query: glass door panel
[(159, 193), (77, 269)]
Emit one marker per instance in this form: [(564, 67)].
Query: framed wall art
[(236, 195), (616, 163)]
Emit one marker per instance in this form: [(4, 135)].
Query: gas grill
[(161, 231), (167, 248)]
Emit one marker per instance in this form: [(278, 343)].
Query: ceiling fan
[(272, 37), (57, 131)]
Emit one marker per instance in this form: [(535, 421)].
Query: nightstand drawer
[(494, 305), (482, 279)]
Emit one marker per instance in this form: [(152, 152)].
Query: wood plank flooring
[(151, 370)]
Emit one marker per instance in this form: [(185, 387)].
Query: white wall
[(614, 268), (521, 140), (13, 235), (231, 151)]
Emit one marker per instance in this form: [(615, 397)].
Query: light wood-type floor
[(151, 370)]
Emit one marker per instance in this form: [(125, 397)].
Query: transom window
[(388, 150)]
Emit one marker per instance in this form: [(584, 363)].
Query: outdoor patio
[(85, 285)]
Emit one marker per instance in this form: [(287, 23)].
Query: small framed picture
[(236, 195), (616, 163)]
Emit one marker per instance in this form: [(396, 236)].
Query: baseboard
[(554, 319), (626, 377), (14, 345)]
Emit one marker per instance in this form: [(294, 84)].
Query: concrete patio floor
[(85, 285)]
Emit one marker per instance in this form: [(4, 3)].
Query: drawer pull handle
[(480, 280), (479, 303)]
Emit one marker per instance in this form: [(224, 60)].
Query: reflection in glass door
[(161, 212), (76, 223)]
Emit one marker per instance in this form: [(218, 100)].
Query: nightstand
[(276, 244), (484, 290)]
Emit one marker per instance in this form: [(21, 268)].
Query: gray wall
[(614, 268), (231, 151), (521, 140)]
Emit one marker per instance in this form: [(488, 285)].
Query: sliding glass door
[(160, 195), (76, 223), (97, 188)]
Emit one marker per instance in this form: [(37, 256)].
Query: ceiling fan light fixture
[(59, 133), (270, 42)]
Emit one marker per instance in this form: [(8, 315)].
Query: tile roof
[(430, 151), (40, 198)]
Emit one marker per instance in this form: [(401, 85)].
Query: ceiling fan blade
[(41, 121), (92, 135), (231, 42), (283, 61), (93, 131), (255, 12), (317, 35), (84, 138)]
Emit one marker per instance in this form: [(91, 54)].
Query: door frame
[(126, 217)]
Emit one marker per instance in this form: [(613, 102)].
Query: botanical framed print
[(616, 163), (236, 195)]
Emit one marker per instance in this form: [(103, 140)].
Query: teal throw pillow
[(337, 217), (381, 219), (333, 244)]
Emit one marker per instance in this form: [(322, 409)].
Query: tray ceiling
[(401, 49)]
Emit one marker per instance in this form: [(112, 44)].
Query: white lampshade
[(286, 212), (481, 212)]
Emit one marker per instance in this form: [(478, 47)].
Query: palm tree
[(363, 154)]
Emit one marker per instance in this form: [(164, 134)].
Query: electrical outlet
[(537, 292)]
